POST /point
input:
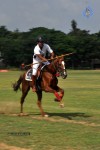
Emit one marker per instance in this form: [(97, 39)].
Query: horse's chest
[(54, 81)]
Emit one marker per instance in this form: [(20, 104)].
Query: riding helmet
[(40, 39)]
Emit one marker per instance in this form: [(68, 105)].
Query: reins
[(53, 65), (49, 59)]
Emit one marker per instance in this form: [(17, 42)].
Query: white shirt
[(46, 48)]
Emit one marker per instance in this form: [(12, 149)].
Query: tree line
[(17, 47)]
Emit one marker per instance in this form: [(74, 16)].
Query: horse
[(47, 81)]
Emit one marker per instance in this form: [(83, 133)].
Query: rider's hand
[(46, 63)]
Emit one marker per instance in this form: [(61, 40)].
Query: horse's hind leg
[(39, 95), (25, 91)]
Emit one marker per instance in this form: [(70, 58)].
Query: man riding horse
[(39, 56), (48, 80)]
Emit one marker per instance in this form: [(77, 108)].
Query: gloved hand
[(46, 63)]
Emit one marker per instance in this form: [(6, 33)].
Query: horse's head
[(60, 67)]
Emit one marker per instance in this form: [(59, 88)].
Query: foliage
[(17, 47)]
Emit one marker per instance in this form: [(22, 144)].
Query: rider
[(40, 51)]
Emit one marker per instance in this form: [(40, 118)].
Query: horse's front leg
[(61, 92), (60, 97), (56, 91), (39, 103)]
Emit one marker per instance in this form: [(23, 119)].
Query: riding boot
[(33, 83)]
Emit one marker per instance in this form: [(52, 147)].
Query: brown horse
[(47, 82)]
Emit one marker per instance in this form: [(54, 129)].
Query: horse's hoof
[(46, 116), (21, 114), (62, 105)]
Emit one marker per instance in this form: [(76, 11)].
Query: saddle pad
[(28, 75)]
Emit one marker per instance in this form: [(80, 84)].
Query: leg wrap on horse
[(58, 96), (61, 94)]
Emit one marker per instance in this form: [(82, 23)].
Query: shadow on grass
[(69, 116)]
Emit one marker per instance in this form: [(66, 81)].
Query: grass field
[(74, 127)]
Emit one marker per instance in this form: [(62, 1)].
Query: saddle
[(28, 77)]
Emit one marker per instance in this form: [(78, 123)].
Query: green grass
[(75, 127)]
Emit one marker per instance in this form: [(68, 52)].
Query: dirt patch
[(54, 119), (57, 120), (67, 121), (4, 146), (21, 114)]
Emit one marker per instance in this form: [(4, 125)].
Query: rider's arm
[(50, 51), (41, 57), (52, 55)]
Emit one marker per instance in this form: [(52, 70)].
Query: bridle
[(60, 69)]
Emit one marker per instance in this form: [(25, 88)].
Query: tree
[(74, 25), (17, 47)]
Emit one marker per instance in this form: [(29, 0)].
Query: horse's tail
[(16, 85)]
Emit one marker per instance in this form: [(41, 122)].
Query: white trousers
[(35, 67)]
